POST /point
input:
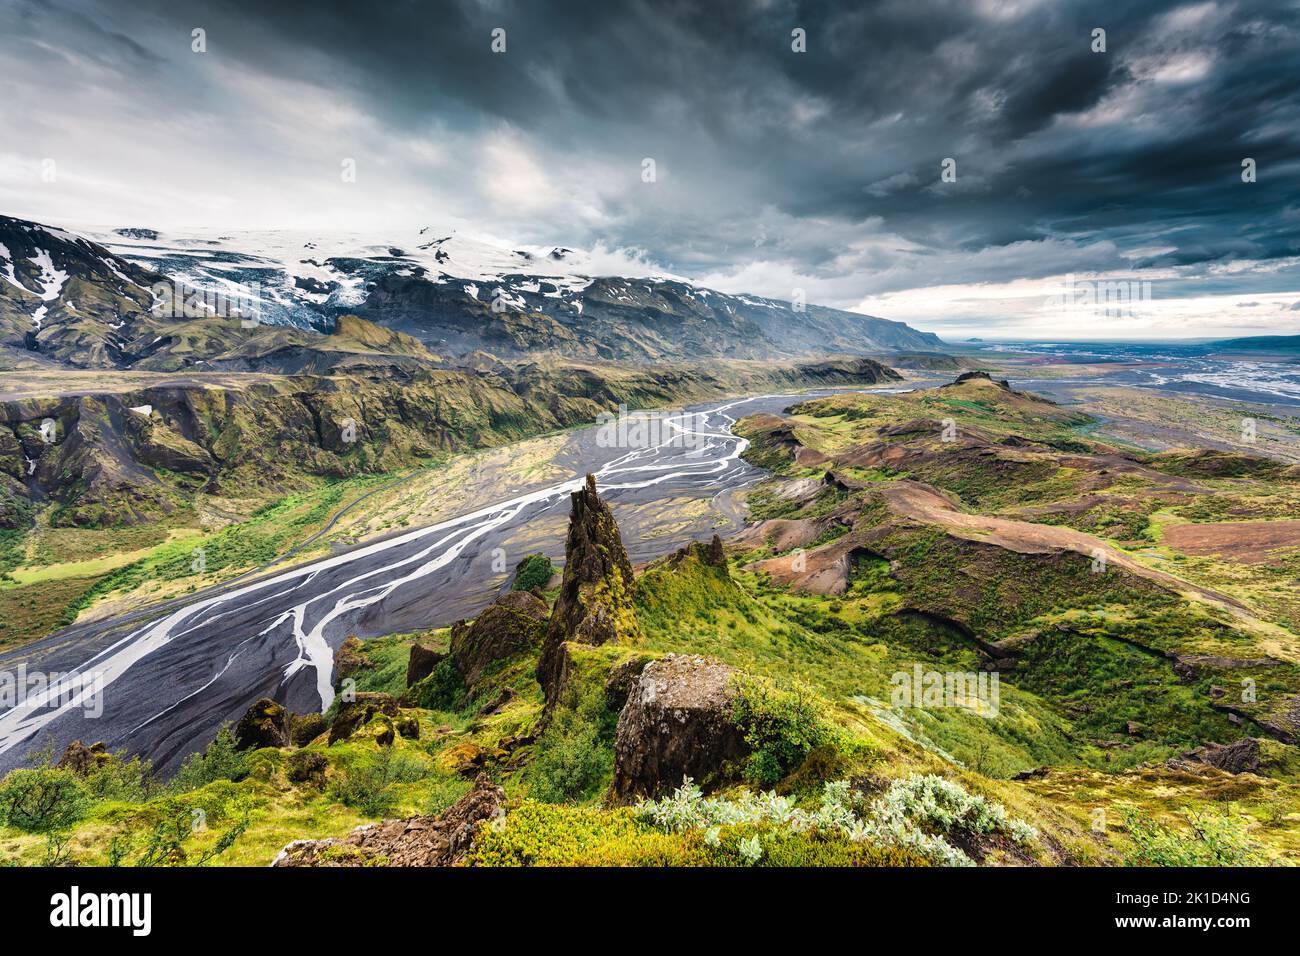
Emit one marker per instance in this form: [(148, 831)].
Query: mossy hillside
[(847, 651), (837, 421), (978, 597), (577, 829)]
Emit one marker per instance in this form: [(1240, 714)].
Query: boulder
[(349, 659), (419, 841), (265, 724), (421, 663), (352, 715), (1241, 756), (308, 766), (469, 758), (595, 604), (81, 759), (677, 723), (512, 624), (307, 727)]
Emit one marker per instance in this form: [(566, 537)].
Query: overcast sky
[(775, 170)]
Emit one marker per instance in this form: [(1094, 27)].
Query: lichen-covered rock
[(308, 766), (595, 605), (353, 715), (307, 727), (421, 663), (419, 841), (677, 723), (1241, 756), (82, 760), (350, 658), (383, 729), (623, 677), (514, 623), (265, 724), (408, 727), (468, 758)]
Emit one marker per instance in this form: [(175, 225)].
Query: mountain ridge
[(93, 301)]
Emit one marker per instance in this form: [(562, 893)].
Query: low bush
[(781, 727), (220, 761), (1212, 839), (43, 800), (914, 815), (368, 786), (535, 571)]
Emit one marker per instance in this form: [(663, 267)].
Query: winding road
[(161, 685)]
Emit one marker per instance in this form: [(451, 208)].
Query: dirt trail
[(924, 503)]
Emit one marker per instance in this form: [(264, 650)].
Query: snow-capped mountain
[(455, 293)]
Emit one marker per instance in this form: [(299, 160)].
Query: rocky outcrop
[(265, 724), (711, 555), (419, 841), (676, 723), (514, 623), (82, 760), (595, 605), (350, 658), (355, 714), (1241, 756), (421, 663), (823, 570), (308, 766)]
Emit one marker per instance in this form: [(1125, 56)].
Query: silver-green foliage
[(916, 813)]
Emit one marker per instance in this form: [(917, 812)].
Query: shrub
[(443, 689), (42, 801), (1214, 839), (130, 781), (161, 834), (574, 755), (368, 786), (913, 816), (535, 571), (781, 727), (221, 761)]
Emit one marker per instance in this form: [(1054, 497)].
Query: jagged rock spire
[(595, 603)]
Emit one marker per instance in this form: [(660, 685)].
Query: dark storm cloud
[(716, 91), (826, 162)]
